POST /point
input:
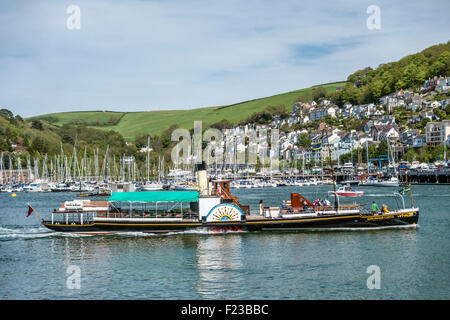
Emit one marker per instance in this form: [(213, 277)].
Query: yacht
[(152, 187), (32, 187), (60, 187), (372, 182)]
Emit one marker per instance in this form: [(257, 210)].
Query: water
[(414, 262)]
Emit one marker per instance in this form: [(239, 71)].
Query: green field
[(154, 122), (90, 117)]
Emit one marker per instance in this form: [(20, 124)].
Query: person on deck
[(374, 207), (305, 205), (261, 209)]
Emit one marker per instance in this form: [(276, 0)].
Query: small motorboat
[(347, 191)]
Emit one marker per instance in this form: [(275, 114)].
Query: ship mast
[(332, 174), (148, 159)]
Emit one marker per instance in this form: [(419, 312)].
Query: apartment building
[(437, 132)]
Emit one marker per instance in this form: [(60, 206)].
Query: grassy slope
[(21, 130), (154, 122), (87, 116)]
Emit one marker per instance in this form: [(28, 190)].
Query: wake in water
[(42, 232), (193, 232), (24, 233)]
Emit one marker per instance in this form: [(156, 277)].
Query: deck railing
[(73, 217)]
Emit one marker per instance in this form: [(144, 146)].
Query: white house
[(332, 111), (436, 104)]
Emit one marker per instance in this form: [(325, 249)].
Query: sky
[(139, 55)]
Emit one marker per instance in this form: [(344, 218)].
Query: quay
[(425, 177)]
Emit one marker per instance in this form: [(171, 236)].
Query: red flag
[(30, 210)]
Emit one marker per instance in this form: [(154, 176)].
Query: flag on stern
[(30, 210)]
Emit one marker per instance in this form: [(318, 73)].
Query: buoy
[(13, 195)]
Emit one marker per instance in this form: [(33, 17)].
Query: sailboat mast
[(148, 159)]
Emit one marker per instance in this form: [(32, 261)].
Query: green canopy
[(154, 196)]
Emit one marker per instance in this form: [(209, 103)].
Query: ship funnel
[(202, 179)]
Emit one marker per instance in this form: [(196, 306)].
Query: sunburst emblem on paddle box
[(224, 213)]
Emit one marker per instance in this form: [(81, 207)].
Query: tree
[(277, 111), (409, 76), (37, 124), (221, 125), (40, 144), (436, 69), (6, 113), (285, 128), (5, 145), (410, 155), (382, 148), (318, 93), (304, 140), (400, 84), (377, 89), (444, 58), (26, 141)]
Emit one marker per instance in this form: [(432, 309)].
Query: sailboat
[(349, 170), (392, 181), (150, 186)]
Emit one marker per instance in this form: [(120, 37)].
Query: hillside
[(368, 85), (39, 138), (24, 134), (130, 124)]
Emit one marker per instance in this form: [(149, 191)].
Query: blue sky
[(141, 55)]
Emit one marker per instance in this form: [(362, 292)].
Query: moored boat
[(60, 187), (32, 187), (152, 187), (390, 182), (347, 191)]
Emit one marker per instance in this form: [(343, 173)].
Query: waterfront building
[(437, 132)]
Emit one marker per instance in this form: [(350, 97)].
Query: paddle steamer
[(213, 207)]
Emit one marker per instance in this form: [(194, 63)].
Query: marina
[(13, 180)]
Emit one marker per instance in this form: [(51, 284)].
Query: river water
[(411, 263)]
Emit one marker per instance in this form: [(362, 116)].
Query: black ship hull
[(403, 218)]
